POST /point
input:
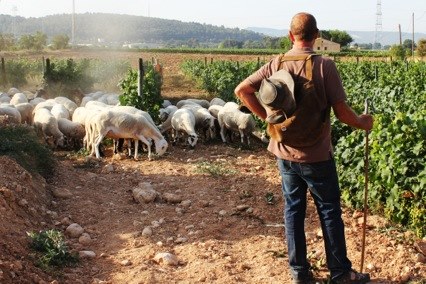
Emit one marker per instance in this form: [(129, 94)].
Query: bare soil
[(218, 211)]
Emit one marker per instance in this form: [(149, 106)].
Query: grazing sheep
[(236, 120), (166, 126), (26, 110), (134, 110), (203, 103), (47, 125), (29, 95), (183, 121), (166, 111), (4, 98), (86, 99), (67, 103), (36, 101), (214, 110), (47, 104), (14, 116), (166, 103), (217, 102), (74, 132), (204, 121), (116, 124), (60, 111), (83, 115), (18, 98), (13, 91)]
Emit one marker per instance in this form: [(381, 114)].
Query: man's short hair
[(304, 26)]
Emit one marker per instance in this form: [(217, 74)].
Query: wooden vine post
[(3, 73), (140, 78)]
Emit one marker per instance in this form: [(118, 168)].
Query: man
[(312, 166)]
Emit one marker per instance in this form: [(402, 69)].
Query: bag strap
[(307, 64)]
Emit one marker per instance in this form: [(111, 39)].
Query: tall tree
[(60, 41), (340, 37), (421, 47)]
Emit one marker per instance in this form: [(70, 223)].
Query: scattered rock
[(85, 239), (144, 193), (166, 259), (87, 254), (126, 262), (74, 230), (61, 193), (172, 198), (147, 231)]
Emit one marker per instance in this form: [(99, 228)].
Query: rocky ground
[(212, 214)]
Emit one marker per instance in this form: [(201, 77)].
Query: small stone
[(126, 262), (85, 239), (87, 254), (172, 198), (166, 258), (242, 207), (109, 168), (61, 193), (147, 231), (74, 230)]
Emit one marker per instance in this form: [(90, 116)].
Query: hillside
[(360, 37), (114, 28)]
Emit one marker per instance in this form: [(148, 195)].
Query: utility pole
[(400, 36), (412, 44)]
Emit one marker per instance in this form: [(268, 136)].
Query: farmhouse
[(326, 45)]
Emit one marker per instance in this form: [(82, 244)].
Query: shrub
[(51, 249), (22, 144), (150, 99)]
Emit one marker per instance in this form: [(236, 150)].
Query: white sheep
[(217, 101), (86, 99), (204, 121), (47, 104), (67, 103), (18, 98), (236, 120), (13, 91), (4, 98), (60, 111), (36, 101), (166, 126), (166, 111), (74, 132), (26, 110), (203, 103), (183, 121), (47, 125), (214, 110), (134, 110), (13, 114), (117, 124)]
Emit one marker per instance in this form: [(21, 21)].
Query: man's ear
[(291, 36)]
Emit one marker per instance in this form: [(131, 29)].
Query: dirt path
[(218, 213)]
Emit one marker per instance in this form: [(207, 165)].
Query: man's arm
[(345, 114), (246, 93)]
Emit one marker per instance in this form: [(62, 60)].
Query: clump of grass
[(21, 143), (214, 169), (51, 249)]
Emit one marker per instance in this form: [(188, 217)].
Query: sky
[(359, 15)]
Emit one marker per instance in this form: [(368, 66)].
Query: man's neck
[(303, 44)]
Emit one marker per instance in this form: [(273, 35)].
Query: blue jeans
[(322, 181)]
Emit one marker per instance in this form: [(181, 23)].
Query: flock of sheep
[(61, 122)]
